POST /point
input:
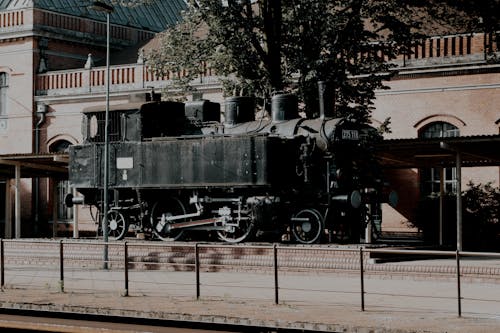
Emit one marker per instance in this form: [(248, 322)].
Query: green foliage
[(480, 15), (482, 217), (482, 202), (182, 56), (270, 45)]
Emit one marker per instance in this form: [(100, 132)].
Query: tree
[(265, 46), (482, 216)]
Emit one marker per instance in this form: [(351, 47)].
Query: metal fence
[(81, 262)]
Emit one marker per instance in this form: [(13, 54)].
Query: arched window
[(63, 212), (430, 178), (59, 146), (439, 129)]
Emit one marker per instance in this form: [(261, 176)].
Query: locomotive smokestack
[(321, 97), (325, 102)]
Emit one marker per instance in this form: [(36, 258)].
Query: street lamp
[(103, 7)]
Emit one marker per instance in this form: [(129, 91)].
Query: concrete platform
[(307, 301)]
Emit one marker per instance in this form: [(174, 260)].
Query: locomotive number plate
[(350, 135), (124, 162)]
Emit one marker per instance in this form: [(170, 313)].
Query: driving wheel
[(307, 226), (161, 211)]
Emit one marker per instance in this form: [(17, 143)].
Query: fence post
[(197, 269), (361, 275), (276, 285), (125, 267), (459, 296), (61, 266), (2, 263)]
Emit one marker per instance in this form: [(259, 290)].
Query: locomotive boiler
[(175, 169)]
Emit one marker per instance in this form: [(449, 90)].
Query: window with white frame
[(430, 179)]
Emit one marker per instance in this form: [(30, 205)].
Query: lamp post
[(103, 7)]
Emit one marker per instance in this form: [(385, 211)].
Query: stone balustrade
[(93, 80), (446, 50), (10, 19)]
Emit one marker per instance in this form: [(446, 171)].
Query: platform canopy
[(458, 152), (54, 165), (475, 151)]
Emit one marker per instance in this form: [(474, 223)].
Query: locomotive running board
[(196, 223)]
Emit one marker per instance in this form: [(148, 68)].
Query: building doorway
[(64, 214)]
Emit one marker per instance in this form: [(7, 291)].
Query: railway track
[(38, 321)]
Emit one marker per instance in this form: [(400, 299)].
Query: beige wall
[(16, 59)]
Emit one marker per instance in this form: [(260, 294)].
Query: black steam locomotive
[(175, 168)]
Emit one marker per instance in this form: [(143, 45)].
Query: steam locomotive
[(175, 169)]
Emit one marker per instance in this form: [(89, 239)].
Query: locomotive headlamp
[(70, 200), (393, 198)]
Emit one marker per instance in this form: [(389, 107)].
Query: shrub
[(481, 218)]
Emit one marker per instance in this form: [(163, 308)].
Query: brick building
[(448, 87)]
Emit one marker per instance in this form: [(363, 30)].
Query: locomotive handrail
[(205, 136)]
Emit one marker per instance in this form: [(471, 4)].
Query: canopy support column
[(54, 209), (441, 204), (8, 210), (458, 180), (17, 198), (459, 200), (76, 233)]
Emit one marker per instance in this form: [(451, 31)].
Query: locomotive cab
[(137, 121)]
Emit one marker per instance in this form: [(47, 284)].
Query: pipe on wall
[(41, 110)]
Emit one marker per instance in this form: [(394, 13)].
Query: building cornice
[(477, 67)]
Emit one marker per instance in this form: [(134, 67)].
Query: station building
[(52, 67), (448, 88)]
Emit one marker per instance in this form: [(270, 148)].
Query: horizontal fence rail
[(142, 267)]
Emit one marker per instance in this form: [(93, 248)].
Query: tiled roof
[(154, 15)]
